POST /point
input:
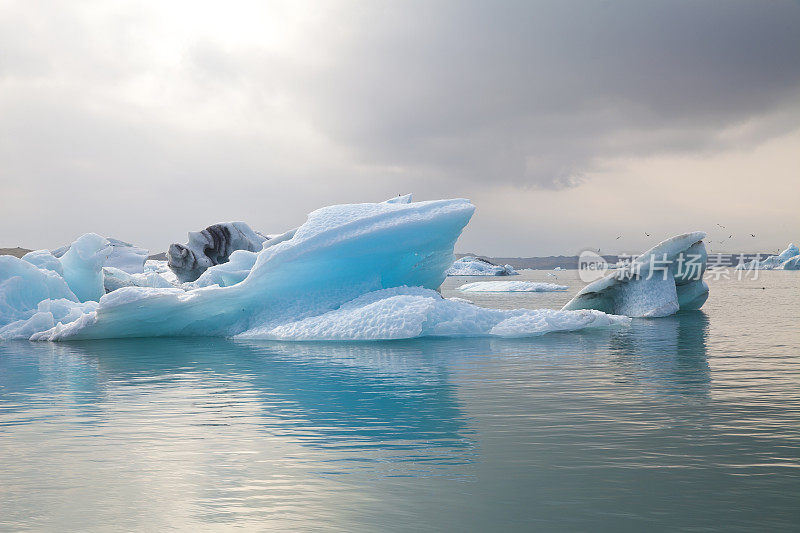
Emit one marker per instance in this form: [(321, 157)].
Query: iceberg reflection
[(392, 395)]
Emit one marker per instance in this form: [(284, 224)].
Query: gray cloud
[(100, 103), (533, 92)]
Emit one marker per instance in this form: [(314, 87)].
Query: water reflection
[(330, 395), (669, 353), (192, 432)]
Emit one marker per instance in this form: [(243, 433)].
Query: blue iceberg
[(350, 272)]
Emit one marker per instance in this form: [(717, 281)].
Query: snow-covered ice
[(662, 280), (511, 286), (409, 312), (475, 266)]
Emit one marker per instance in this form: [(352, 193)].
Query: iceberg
[(211, 246), (661, 281), (350, 272), (511, 286), (788, 253), (475, 266), (774, 262), (791, 263), (340, 253)]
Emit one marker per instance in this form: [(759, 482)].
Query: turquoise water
[(689, 422)]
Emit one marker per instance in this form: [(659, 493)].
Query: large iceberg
[(661, 281), (475, 266), (511, 286), (786, 260), (211, 246), (350, 272)]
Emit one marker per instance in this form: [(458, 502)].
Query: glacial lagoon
[(685, 422)]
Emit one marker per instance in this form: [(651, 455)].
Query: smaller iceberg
[(791, 264), (511, 286), (661, 281), (475, 266), (786, 260)]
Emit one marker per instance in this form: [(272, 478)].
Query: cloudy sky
[(568, 124)]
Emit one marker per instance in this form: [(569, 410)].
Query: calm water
[(690, 423)]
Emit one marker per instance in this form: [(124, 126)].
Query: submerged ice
[(350, 272)]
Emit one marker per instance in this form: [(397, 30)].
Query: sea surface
[(684, 423)]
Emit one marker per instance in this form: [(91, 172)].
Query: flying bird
[(617, 238), (752, 234), (646, 233)]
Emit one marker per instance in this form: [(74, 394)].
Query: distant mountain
[(16, 252)]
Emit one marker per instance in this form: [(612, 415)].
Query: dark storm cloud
[(535, 92)]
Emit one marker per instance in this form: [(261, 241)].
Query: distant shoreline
[(534, 263), (19, 252), (571, 261)]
